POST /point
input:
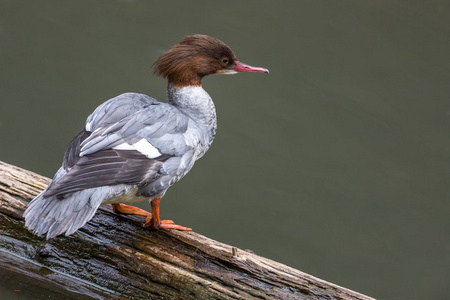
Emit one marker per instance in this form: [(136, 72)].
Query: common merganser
[(134, 147)]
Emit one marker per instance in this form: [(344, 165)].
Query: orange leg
[(132, 210), (150, 220), (157, 223)]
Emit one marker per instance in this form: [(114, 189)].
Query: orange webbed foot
[(156, 223), (168, 224), (174, 226), (151, 220)]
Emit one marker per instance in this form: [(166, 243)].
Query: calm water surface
[(336, 164)]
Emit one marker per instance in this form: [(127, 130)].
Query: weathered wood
[(113, 256)]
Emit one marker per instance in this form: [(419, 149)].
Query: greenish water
[(336, 164)]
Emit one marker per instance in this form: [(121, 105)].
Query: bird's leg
[(132, 210), (152, 220), (156, 223)]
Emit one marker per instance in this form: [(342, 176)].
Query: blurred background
[(336, 164)]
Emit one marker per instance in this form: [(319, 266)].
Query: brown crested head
[(196, 56)]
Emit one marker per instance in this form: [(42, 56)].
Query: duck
[(134, 147)]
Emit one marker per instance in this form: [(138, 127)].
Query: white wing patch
[(143, 146)]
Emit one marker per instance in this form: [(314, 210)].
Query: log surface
[(114, 257)]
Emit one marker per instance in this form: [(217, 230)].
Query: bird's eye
[(225, 61)]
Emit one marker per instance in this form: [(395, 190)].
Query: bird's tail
[(56, 216)]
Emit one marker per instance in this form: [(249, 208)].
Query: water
[(335, 164)]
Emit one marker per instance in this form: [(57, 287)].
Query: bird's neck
[(196, 103)]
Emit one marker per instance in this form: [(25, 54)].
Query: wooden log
[(114, 257)]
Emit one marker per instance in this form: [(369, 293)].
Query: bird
[(134, 147)]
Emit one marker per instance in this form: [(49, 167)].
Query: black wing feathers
[(108, 167), (72, 154)]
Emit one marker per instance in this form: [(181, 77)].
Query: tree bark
[(114, 257)]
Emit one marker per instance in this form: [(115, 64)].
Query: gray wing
[(158, 125), (110, 112), (126, 140)]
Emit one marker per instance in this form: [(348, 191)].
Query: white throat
[(196, 103)]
